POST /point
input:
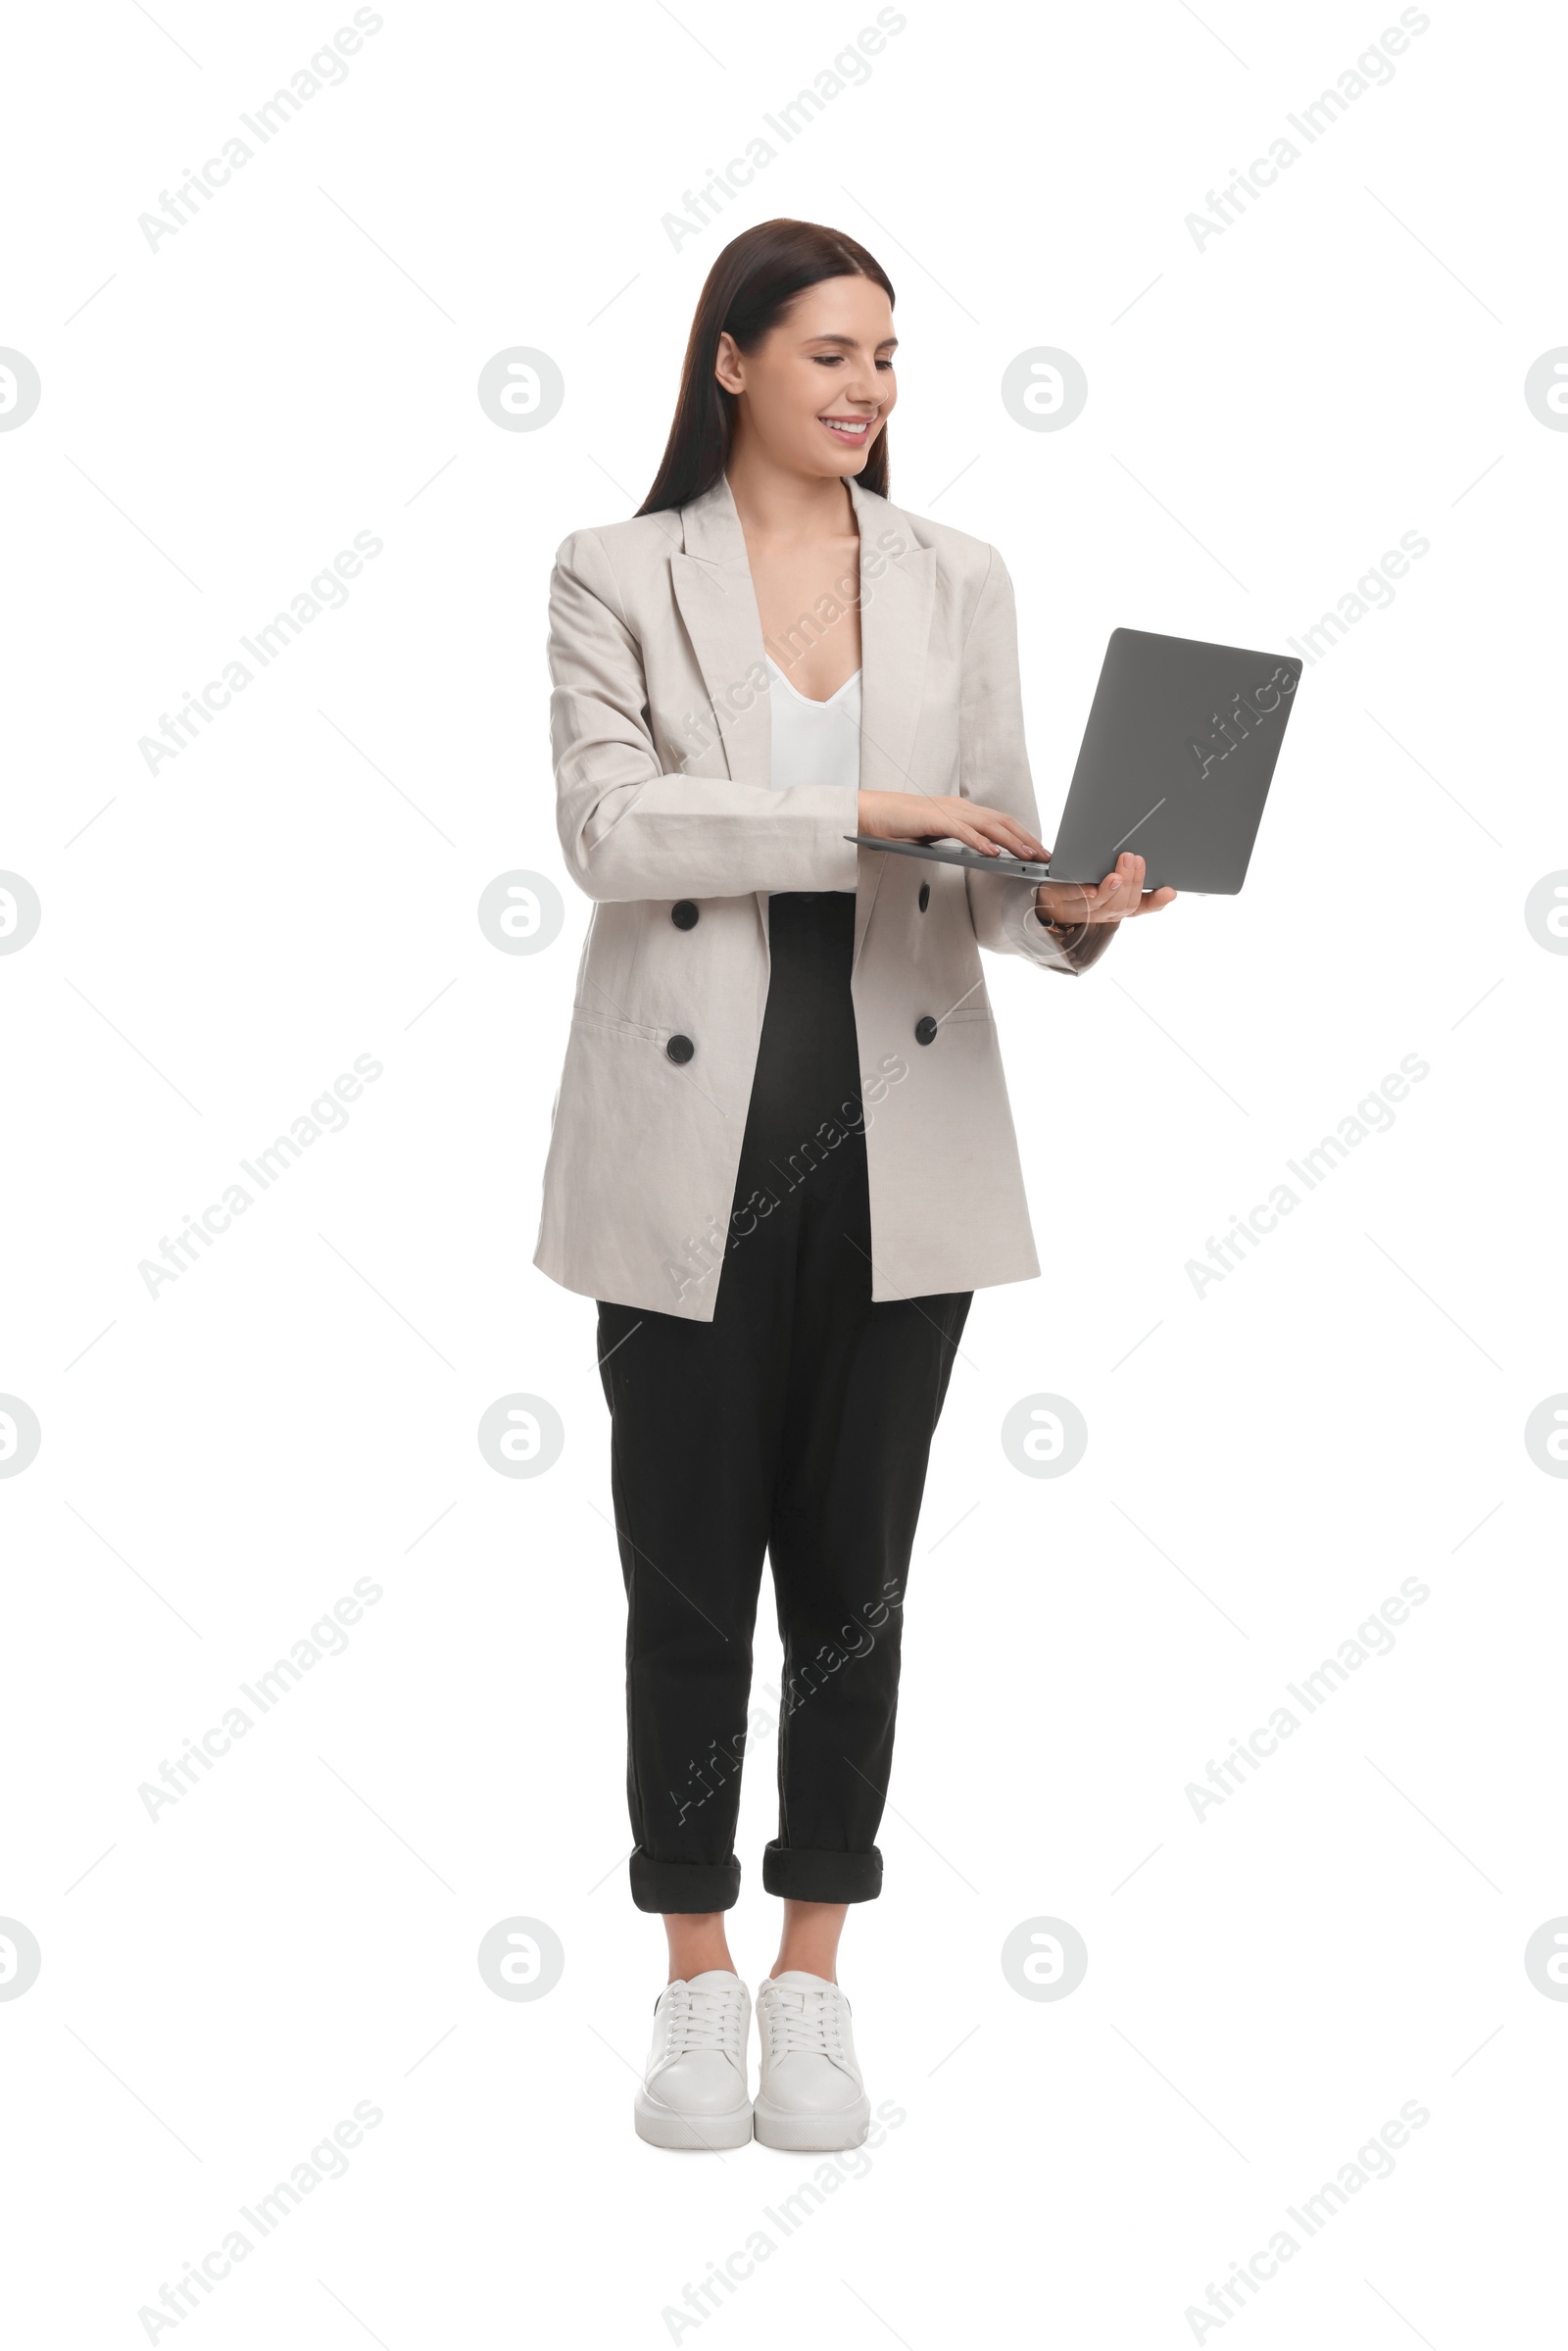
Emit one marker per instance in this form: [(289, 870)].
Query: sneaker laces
[(800, 2018), (699, 2017)]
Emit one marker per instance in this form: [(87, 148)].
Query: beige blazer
[(659, 724)]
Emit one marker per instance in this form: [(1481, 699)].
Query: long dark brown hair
[(747, 290)]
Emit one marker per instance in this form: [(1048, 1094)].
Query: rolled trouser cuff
[(684, 1886), (802, 1876)]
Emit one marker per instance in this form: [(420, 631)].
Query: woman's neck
[(780, 507)]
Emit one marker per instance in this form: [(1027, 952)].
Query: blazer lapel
[(894, 631), (713, 583)]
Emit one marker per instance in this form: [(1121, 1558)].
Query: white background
[(1266, 1986)]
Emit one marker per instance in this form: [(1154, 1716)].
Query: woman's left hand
[(1120, 895)]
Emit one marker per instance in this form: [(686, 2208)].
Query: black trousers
[(796, 1422)]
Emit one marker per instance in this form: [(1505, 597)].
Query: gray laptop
[(1175, 765)]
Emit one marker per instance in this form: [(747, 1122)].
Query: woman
[(782, 1156)]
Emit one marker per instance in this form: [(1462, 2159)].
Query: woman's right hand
[(917, 816)]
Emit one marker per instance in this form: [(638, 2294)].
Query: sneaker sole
[(811, 2133), (663, 2126)]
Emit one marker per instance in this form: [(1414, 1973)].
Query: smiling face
[(819, 387)]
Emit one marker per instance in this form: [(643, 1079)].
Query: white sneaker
[(694, 2091), (810, 2097)]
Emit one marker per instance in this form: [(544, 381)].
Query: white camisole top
[(814, 742)]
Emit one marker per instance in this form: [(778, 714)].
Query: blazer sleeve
[(994, 770), (627, 829)]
